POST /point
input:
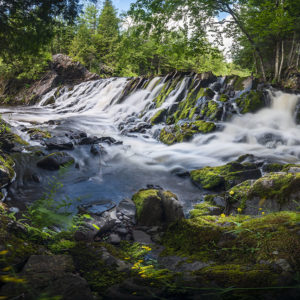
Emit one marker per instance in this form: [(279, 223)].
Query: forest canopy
[(153, 38)]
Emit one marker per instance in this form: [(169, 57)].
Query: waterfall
[(115, 107)]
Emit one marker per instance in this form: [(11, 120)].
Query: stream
[(97, 108)]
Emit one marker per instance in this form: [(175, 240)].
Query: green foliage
[(27, 26)]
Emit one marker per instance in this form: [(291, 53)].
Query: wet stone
[(59, 143)]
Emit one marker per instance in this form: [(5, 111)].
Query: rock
[(114, 239), (141, 237), (271, 193), (88, 141), (59, 143), (224, 177), (159, 117), (51, 275), (127, 208), (113, 261), (156, 207), (55, 160), (97, 150), (284, 265), (109, 140)]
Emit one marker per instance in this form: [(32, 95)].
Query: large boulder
[(271, 193), (157, 207)]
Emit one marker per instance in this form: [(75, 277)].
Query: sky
[(122, 5)]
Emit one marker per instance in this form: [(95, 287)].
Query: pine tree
[(108, 29)]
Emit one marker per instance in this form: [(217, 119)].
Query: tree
[(27, 25), (108, 28)]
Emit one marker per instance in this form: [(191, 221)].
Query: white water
[(93, 107)]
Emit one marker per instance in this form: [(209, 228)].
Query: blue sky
[(122, 5)]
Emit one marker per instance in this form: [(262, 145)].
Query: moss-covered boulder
[(183, 133), (157, 207), (251, 102), (224, 177), (273, 192)]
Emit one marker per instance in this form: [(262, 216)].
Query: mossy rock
[(192, 238), (185, 132), (7, 172), (157, 207), (273, 192), (38, 134), (251, 102), (159, 117), (211, 110), (205, 209), (224, 177), (223, 98)]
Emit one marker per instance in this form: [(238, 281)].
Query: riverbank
[(184, 186)]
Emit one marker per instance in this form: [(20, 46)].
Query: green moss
[(140, 197), (17, 139), (273, 167), (210, 110), (192, 238), (202, 209), (7, 165), (226, 176), (99, 276), (185, 132), (158, 117), (238, 83), (280, 186), (250, 102), (167, 136), (240, 276), (42, 133), (61, 246), (166, 90), (223, 98)]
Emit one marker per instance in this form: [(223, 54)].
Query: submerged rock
[(55, 160)]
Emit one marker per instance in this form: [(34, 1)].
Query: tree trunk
[(256, 63), (298, 56), (290, 60), (276, 70), (282, 60)]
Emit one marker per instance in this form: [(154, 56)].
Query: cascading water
[(99, 108)]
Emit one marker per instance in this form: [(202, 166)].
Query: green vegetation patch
[(250, 102), (185, 132), (223, 177), (140, 198)]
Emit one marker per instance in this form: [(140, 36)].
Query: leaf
[(97, 227)]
